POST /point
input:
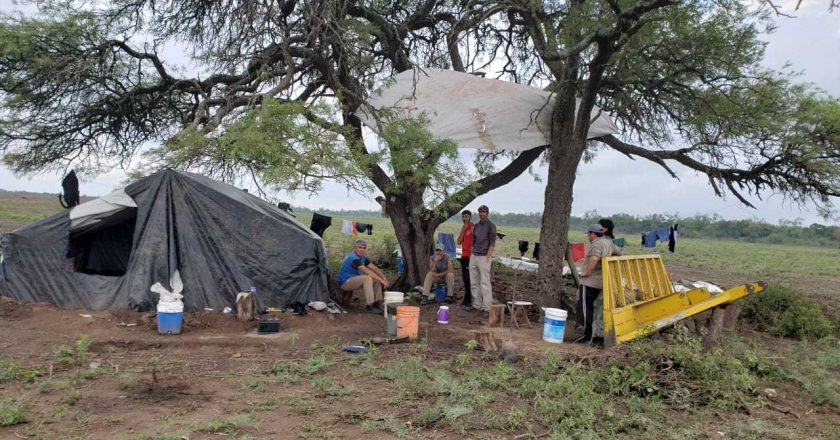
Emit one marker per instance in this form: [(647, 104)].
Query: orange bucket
[(408, 321)]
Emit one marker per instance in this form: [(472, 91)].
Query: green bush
[(781, 311), (11, 413)]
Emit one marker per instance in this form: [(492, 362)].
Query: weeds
[(11, 371), (11, 413), (229, 425), (326, 385), (313, 431), (253, 384), (301, 404), (74, 355)]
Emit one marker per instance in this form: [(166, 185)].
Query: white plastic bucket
[(391, 297), (394, 297), (554, 325)]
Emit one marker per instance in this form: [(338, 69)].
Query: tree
[(681, 79), (285, 78), (672, 73)]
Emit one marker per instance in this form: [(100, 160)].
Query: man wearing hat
[(358, 273), (440, 270), (591, 280)]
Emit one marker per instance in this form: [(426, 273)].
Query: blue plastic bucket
[(170, 323), (440, 292), (554, 325)]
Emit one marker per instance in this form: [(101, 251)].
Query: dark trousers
[(586, 308), (465, 274)]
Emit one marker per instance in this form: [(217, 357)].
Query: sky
[(612, 183)]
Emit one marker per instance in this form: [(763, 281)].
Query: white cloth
[(94, 211), (474, 112), (347, 227)]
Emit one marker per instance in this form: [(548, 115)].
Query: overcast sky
[(612, 183)]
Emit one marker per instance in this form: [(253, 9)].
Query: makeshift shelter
[(472, 111), (108, 252)]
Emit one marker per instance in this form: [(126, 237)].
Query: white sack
[(475, 112)]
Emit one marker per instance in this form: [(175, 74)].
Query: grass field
[(66, 375)]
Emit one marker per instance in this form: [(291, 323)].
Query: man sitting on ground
[(440, 270), (358, 273)]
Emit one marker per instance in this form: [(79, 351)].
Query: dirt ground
[(219, 367)]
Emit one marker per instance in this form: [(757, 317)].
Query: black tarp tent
[(108, 252)]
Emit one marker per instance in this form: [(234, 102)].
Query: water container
[(440, 292), (408, 321), (170, 316), (554, 325), (391, 317), (443, 315)]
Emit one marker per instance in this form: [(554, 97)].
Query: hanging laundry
[(448, 242), (578, 251), (348, 228), (320, 223), (672, 238), (620, 242), (662, 234), (364, 227), (649, 239)]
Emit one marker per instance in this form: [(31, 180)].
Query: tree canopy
[(276, 85)]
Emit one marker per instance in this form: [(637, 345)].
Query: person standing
[(591, 277), (358, 273), (481, 259), (465, 240)]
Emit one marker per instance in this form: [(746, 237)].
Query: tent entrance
[(105, 247)]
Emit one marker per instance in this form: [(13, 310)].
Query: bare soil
[(219, 368)]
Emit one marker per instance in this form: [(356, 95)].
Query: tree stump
[(246, 305), (487, 341), (731, 319), (715, 328), (497, 315)]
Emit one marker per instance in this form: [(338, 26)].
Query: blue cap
[(596, 228)]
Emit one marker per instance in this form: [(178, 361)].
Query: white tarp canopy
[(92, 212), (475, 112)]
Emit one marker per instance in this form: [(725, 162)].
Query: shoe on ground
[(583, 340), (466, 307), (373, 310), (485, 314)]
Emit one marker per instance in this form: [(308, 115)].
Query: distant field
[(813, 270)]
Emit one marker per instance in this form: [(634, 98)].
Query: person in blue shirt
[(358, 273)]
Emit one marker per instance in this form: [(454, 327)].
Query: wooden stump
[(487, 341), (715, 328), (497, 315), (731, 319), (246, 306)]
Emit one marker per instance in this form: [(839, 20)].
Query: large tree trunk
[(555, 225), (416, 241)]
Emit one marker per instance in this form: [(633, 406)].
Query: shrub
[(11, 413), (784, 312)]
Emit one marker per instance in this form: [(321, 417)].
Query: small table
[(515, 307)]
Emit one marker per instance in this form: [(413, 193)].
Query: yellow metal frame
[(639, 297)]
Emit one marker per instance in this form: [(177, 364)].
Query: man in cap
[(484, 242), (358, 273), (591, 280), (440, 270)]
